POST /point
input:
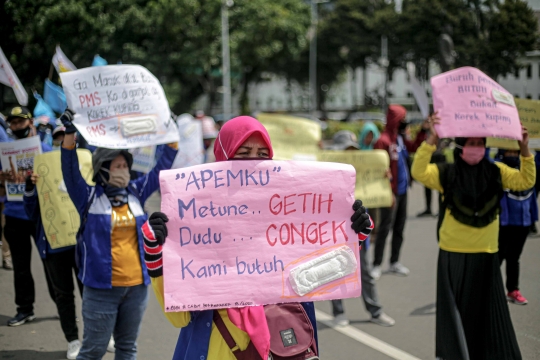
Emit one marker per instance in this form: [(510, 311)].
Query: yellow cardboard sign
[(293, 138), (529, 114), (372, 185), (60, 218)]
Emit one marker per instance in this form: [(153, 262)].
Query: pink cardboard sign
[(245, 233), (471, 104)]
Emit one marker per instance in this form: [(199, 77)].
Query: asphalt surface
[(409, 300)]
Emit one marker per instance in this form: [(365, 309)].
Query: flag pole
[(51, 71)]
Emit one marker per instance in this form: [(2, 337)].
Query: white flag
[(9, 78), (61, 62), (420, 95)]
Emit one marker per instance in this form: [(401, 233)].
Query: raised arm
[(525, 177), (154, 233), (422, 171), (79, 191), (147, 184), (412, 146)]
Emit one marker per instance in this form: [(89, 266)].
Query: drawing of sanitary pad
[(139, 125), (331, 266)]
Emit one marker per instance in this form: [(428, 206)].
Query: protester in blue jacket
[(110, 244), (519, 211), (19, 228)]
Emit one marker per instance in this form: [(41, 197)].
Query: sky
[(535, 4)]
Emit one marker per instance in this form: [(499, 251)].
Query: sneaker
[(383, 320), (110, 347), (341, 320), (426, 213), (73, 349), (398, 269), (21, 318), (7, 263), (376, 272), (516, 298)]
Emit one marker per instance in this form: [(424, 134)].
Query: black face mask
[(21, 133), (511, 161), (402, 127)]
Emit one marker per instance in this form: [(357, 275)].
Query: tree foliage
[(180, 40)]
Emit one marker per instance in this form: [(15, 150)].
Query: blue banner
[(54, 96)]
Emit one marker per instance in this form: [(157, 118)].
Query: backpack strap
[(249, 354), (225, 332)]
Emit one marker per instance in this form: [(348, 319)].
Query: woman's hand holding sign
[(361, 221), (67, 121), (524, 144), (155, 232), (433, 120)]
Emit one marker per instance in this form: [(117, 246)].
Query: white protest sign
[(143, 158), (420, 96), (17, 157), (190, 145), (119, 106)]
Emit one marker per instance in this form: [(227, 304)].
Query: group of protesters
[(119, 249)]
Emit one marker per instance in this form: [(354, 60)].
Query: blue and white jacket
[(94, 255), (519, 208)]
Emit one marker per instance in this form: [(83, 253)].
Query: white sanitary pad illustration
[(331, 266), (139, 125)]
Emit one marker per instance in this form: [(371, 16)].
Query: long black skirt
[(473, 321)]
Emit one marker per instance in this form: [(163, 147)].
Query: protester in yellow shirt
[(473, 321), (201, 338)]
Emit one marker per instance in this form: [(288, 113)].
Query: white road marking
[(364, 338)]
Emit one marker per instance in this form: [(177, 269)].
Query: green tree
[(487, 34), (266, 36)]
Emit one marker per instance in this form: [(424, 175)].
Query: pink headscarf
[(232, 135)]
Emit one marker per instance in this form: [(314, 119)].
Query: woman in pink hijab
[(240, 138)]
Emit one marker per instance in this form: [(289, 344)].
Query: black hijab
[(471, 192)]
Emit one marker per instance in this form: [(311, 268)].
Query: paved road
[(410, 300)]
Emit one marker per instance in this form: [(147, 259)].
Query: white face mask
[(118, 178)]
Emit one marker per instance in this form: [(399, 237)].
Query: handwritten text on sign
[(471, 104), (247, 233), (119, 106)]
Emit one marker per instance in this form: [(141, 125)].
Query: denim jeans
[(118, 311)]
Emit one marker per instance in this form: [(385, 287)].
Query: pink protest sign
[(244, 233), (471, 104)]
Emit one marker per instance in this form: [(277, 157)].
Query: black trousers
[(369, 291), (60, 268), (511, 242), (429, 196), (18, 233), (391, 217)]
